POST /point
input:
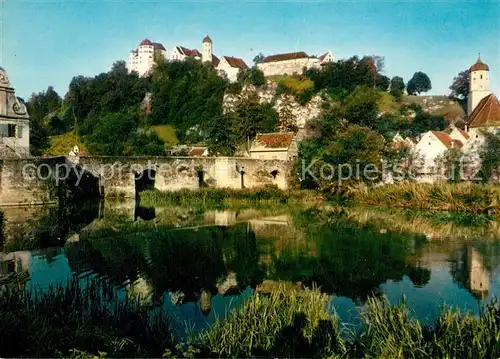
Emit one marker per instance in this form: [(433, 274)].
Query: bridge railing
[(14, 145)]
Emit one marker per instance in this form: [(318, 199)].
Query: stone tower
[(478, 84), (206, 49)]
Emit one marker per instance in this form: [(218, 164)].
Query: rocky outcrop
[(268, 95)]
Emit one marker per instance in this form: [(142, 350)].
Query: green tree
[(397, 86), (144, 143), (361, 106), (287, 119), (253, 76), (450, 164), (489, 156), (251, 118), (221, 140), (419, 83), (39, 137), (258, 58), (382, 83), (460, 86)]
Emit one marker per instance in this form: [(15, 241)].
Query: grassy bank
[(226, 197), (74, 321), (461, 197)]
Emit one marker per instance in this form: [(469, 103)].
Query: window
[(481, 77), (429, 143)]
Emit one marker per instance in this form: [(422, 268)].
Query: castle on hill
[(142, 59)]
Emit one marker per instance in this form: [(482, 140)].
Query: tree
[(460, 86), (221, 140), (397, 86), (258, 58), (361, 106), (287, 119), (39, 137), (419, 83), (251, 117), (253, 76), (382, 83), (489, 156), (450, 164)]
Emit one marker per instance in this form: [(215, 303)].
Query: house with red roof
[(231, 66), (292, 63), (142, 59), (432, 145), (274, 146)]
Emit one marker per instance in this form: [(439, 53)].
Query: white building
[(230, 66), (180, 53), (14, 121), (274, 146), (432, 145), (478, 84), (142, 59), (292, 63)]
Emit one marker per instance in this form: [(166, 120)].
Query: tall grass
[(286, 323), (462, 197), (87, 321), (83, 316), (225, 197)]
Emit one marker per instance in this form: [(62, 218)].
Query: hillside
[(61, 145)]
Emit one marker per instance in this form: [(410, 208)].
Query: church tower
[(206, 49), (478, 84)]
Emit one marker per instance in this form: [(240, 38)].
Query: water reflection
[(199, 264)]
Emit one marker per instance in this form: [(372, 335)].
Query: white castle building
[(292, 63), (142, 59)]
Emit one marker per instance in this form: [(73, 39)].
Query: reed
[(225, 197), (82, 315), (462, 197)]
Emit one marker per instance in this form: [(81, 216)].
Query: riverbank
[(460, 197), (228, 197), (289, 322)]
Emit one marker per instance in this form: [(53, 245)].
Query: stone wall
[(20, 183)]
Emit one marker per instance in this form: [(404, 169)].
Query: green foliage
[(89, 99), (450, 164), (167, 134), (144, 143), (342, 77), (76, 319), (419, 83), (186, 94), (61, 145), (258, 58), (39, 137), (362, 106), (489, 155), (252, 76), (397, 86), (284, 324), (382, 83), (460, 86)]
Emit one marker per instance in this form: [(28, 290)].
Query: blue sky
[(47, 42)]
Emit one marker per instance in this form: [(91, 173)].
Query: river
[(201, 263)]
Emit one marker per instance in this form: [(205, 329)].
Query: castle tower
[(478, 84), (206, 49)]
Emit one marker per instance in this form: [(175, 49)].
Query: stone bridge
[(37, 180)]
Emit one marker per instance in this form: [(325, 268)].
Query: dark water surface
[(201, 263)]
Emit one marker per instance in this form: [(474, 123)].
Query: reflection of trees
[(186, 261), (350, 260)]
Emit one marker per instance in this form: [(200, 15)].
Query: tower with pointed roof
[(206, 49), (478, 84)]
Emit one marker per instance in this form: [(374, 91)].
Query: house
[(142, 59), (274, 146), (230, 66), (198, 152), (291, 63), (432, 145), (326, 58), (180, 53), (398, 142), (14, 121)]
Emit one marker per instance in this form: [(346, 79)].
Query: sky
[(45, 43)]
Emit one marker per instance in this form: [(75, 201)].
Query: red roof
[(322, 57), (145, 42), (479, 66), (236, 62), (197, 151), (287, 56), (215, 60), (444, 138), (274, 140), (486, 113), (457, 143), (463, 133), (158, 46), (188, 52), (207, 39)]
